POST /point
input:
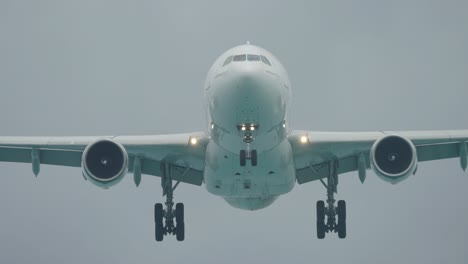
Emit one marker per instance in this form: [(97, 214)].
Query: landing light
[(193, 141), (304, 139), (243, 128), (252, 128)]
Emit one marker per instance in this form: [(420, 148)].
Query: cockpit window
[(227, 61), (265, 60), (248, 57), (239, 57), (251, 57)]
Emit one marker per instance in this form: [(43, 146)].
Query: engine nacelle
[(104, 163), (393, 158)]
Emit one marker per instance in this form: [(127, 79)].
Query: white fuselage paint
[(240, 93)]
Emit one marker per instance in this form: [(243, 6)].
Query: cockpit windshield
[(265, 60), (246, 57), (251, 57), (227, 61), (241, 57)]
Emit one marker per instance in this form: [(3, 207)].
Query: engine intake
[(393, 158), (104, 163)]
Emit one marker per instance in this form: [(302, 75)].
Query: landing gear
[(248, 154), (164, 218), (247, 131), (244, 156), (331, 218)]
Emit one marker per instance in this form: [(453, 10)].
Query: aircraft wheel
[(159, 232), (320, 230), (158, 213), (179, 213), (321, 220), (341, 229), (254, 157), (180, 231), (158, 220), (341, 212), (243, 158)]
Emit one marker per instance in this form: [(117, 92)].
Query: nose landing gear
[(248, 154)]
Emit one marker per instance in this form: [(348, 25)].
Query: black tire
[(321, 211), (159, 231), (320, 230), (179, 213), (243, 158), (180, 231), (341, 210), (321, 220), (158, 213), (342, 230), (253, 157)]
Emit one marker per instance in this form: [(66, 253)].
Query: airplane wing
[(314, 152), (185, 153)]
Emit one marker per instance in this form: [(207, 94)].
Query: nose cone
[(247, 94)]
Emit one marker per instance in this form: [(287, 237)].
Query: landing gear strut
[(164, 218), (331, 218)]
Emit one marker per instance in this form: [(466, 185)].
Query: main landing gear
[(331, 218), (248, 154), (164, 218)]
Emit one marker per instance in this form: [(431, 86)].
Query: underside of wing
[(105, 160), (392, 155)]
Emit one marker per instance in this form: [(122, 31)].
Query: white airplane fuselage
[(248, 95)]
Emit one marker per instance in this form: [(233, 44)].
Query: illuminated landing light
[(284, 125), (252, 128), (193, 141), (212, 126), (243, 128), (304, 139)]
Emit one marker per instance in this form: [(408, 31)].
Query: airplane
[(247, 154)]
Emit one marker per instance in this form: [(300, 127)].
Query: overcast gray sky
[(137, 67)]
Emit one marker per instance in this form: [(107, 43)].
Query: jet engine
[(104, 163), (393, 158)]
